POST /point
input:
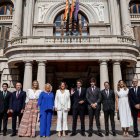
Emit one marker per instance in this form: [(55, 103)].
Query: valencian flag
[(72, 9), (76, 10), (66, 10)]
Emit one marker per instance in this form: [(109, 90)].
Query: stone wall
[(10, 76)]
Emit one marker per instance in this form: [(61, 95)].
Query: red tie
[(17, 94)]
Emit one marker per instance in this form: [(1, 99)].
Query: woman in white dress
[(28, 123), (62, 106), (122, 105)]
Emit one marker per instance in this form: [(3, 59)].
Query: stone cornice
[(65, 1), (90, 47)]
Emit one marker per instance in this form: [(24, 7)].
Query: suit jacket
[(77, 98), (46, 102), (94, 97), (17, 104), (67, 101), (108, 101), (4, 102), (133, 99)]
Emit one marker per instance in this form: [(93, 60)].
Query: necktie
[(4, 94), (79, 92), (17, 94), (135, 90), (107, 93)]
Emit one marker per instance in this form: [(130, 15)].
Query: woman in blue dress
[(46, 105)]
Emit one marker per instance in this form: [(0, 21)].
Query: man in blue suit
[(134, 100), (5, 96), (17, 105)]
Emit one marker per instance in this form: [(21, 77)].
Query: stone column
[(117, 75), (103, 73), (125, 18), (27, 83), (29, 18), (17, 20), (114, 15), (41, 74)]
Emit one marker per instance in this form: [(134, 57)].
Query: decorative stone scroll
[(42, 10), (99, 9), (128, 31)]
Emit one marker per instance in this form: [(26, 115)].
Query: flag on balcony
[(72, 9), (76, 10), (66, 10)]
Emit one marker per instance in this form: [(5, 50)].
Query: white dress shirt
[(30, 95)]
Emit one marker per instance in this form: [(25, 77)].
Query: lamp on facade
[(6, 2)]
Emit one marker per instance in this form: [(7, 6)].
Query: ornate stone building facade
[(34, 45)]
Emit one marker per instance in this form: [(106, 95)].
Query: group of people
[(27, 106)]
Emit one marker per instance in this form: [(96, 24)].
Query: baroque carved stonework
[(42, 10), (16, 31), (128, 31), (99, 9)]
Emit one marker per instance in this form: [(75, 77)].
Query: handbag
[(118, 115)]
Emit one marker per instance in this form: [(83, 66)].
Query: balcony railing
[(58, 41), (135, 17), (6, 18)]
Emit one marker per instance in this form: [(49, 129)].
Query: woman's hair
[(61, 84), (36, 82), (124, 85), (48, 84)]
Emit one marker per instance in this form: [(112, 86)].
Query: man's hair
[(80, 80), (5, 84), (92, 80), (106, 82)]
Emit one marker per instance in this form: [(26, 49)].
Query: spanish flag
[(72, 9), (66, 10)]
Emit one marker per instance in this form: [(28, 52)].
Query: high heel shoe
[(127, 134), (124, 134), (64, 133), (59, 134)]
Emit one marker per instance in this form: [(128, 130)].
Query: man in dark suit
[(134, 100), (79, 105), (4, 107), (17, 105), (108, 101), (93, 97)]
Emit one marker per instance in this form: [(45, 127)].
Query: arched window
[(76, 28), (135, 7), (6, 7)]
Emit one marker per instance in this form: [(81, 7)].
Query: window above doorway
[(79, 28)]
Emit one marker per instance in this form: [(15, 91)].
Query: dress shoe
[(73, 134), (135, 135), (100, 134), (107, 133), (83, 134), (4, 134), (90, 135), (114, 134), (13, 134)]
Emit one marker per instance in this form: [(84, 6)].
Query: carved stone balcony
[(96, 47), (58, 41), (135, 18), (6, 18)]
